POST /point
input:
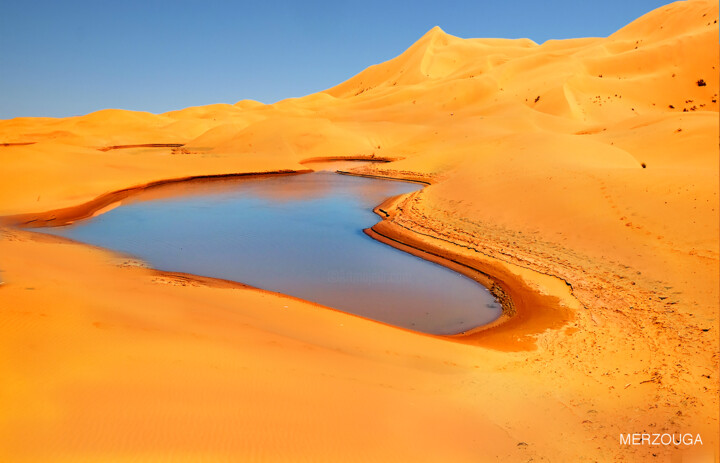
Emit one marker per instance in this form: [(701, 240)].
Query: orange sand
[(535, 158)]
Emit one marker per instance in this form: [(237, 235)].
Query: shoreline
[(398, 179), (515, 297), (367, 158), (88, 209), (191, 279), (525, 311)]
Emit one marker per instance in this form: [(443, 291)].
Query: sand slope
[(587, 161)]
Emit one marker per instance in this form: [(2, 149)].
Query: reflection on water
[(300, 235)]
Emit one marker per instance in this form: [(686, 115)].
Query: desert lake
[(300, 235)]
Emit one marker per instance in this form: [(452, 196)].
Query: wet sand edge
[(68, 215)]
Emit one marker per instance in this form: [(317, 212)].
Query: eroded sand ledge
[(526, 311)]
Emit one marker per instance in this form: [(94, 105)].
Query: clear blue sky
[(64, 57)]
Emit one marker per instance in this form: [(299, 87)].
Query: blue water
[(300, 235)]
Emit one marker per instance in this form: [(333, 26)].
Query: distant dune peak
[(434, 33), (435, 38)]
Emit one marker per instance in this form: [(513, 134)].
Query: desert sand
[(582, 174)]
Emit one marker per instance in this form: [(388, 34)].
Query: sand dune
[(591, 162)]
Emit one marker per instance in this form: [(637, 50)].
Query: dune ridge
[(591, 162)]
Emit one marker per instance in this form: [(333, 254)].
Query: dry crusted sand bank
[(535, 158)]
